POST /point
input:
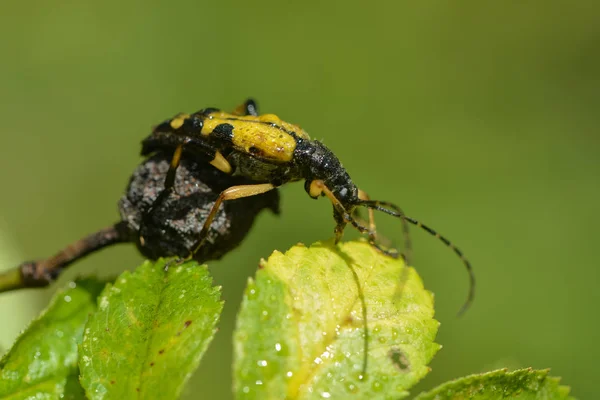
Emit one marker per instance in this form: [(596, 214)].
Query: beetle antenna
[(395, 211)]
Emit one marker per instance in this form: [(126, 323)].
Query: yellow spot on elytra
[(178, 121)]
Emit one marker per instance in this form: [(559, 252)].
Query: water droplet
[(351, 387), (327, 354), (103, 303), (377, 329), (394, 333), (67, 298), (361, 377), (325, 395), (289, 374), (264, 315), (246, 389), (408, 330), (278, 347), (252, 292), (377, 386), (258, 383), (72, 285), (262, 363), (381, 339)]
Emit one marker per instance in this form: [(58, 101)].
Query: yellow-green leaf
[(42, 364), (523, 384), (300, 332), (149, 333)]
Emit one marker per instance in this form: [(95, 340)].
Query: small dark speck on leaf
[(399, 359), (112, 382), (137, 389), (152, 364), (185, 325), (161, 351)]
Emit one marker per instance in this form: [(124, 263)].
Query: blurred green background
[(480, 119)]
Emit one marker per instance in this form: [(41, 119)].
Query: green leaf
[(42, 363), (149, 333), (524, 384), (300, 330)]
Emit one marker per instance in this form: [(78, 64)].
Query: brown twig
[(33, 274)]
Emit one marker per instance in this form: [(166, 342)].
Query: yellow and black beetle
[(272, 152)]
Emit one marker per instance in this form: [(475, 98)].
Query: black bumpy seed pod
[(172, 227)]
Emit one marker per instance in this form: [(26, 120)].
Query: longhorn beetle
[(272, 152)]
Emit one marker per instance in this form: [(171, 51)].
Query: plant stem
[(31, 274), (11, 280)]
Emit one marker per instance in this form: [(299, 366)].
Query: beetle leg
[(339, 231), (317, 188), (232, 193), (175, 160), (405, 229), (166, 192), (221, 163), (373, 232)]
